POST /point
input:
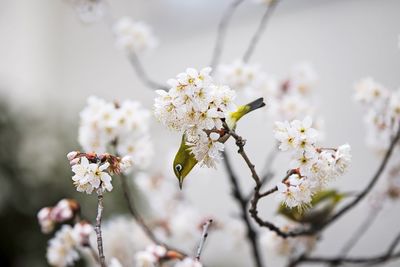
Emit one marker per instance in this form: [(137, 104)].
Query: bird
[(184, 160), (321, 207)]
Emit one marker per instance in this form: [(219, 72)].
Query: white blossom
[(133, 36), (81, 233), (195, 104), (125, 125), (90, 176), (314, 166), (114, 263), (45, 220), (61, 250)]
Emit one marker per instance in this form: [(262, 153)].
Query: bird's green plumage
[(322, 205), (185, 161)]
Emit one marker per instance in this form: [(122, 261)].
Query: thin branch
[(142, 75), (361, 230), (386, 256), (221, 33), (98, 227), (237, 194), (204, 236), (371, 184), (139, 219), (240, 142), (261, 27)]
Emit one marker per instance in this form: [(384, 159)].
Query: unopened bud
[(74, 161), (71, 155)]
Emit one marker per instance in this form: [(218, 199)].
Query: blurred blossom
[(188, 262), (89, 10), (133, 36), (123, 237), (61, 251), (125, 126), (287, 247), (382, 116), (286, 100)]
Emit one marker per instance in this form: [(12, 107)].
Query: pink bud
[(71, 155), (74, 161)]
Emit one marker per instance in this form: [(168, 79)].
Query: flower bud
[(71, 155)]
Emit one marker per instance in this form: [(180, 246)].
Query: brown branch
[(204, 236), (252, 235), (261, 27), (386, 256), (98, 227), (139, 219), (240, 142), (360, 231), (222, 27)]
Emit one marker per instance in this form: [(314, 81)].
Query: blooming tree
[(200, 105)]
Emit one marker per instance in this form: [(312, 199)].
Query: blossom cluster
[(133, 36), (288, 99), (195, 106), (63, 211), (383, 112), (92, 171), (312, 166), (286, 247), (124, 126), (63, 249)]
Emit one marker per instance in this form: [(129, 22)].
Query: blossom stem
[(237, 194), (222, 27), (361, 230), (204, 236), (261, 27), (98, 227), (384, 257), (142, 75)]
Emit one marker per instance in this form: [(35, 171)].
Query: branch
[(261, 27), (139, 219), (386, 256), (361, 230), (204, 236), (142, 75), (240, 142), (221, 33), (237, 194), (98, 227)]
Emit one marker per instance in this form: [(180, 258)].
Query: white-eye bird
[(185, 161), (321, 207)]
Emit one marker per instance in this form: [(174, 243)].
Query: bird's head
[(184, 162)]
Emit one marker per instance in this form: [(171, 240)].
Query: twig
[(204, 236), (139, 219), (361, 230), (388, 255), (240, 142), (222, 27), (98, 227), (94, 254), (237, 194), (142, 75), (261, 27)]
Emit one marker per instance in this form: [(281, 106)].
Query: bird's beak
[(180, 182)]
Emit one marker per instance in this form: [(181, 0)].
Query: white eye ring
[(178, 167)]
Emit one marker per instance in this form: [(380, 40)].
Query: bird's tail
[(243, 110)]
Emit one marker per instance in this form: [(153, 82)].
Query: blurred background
[(50, 62)]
